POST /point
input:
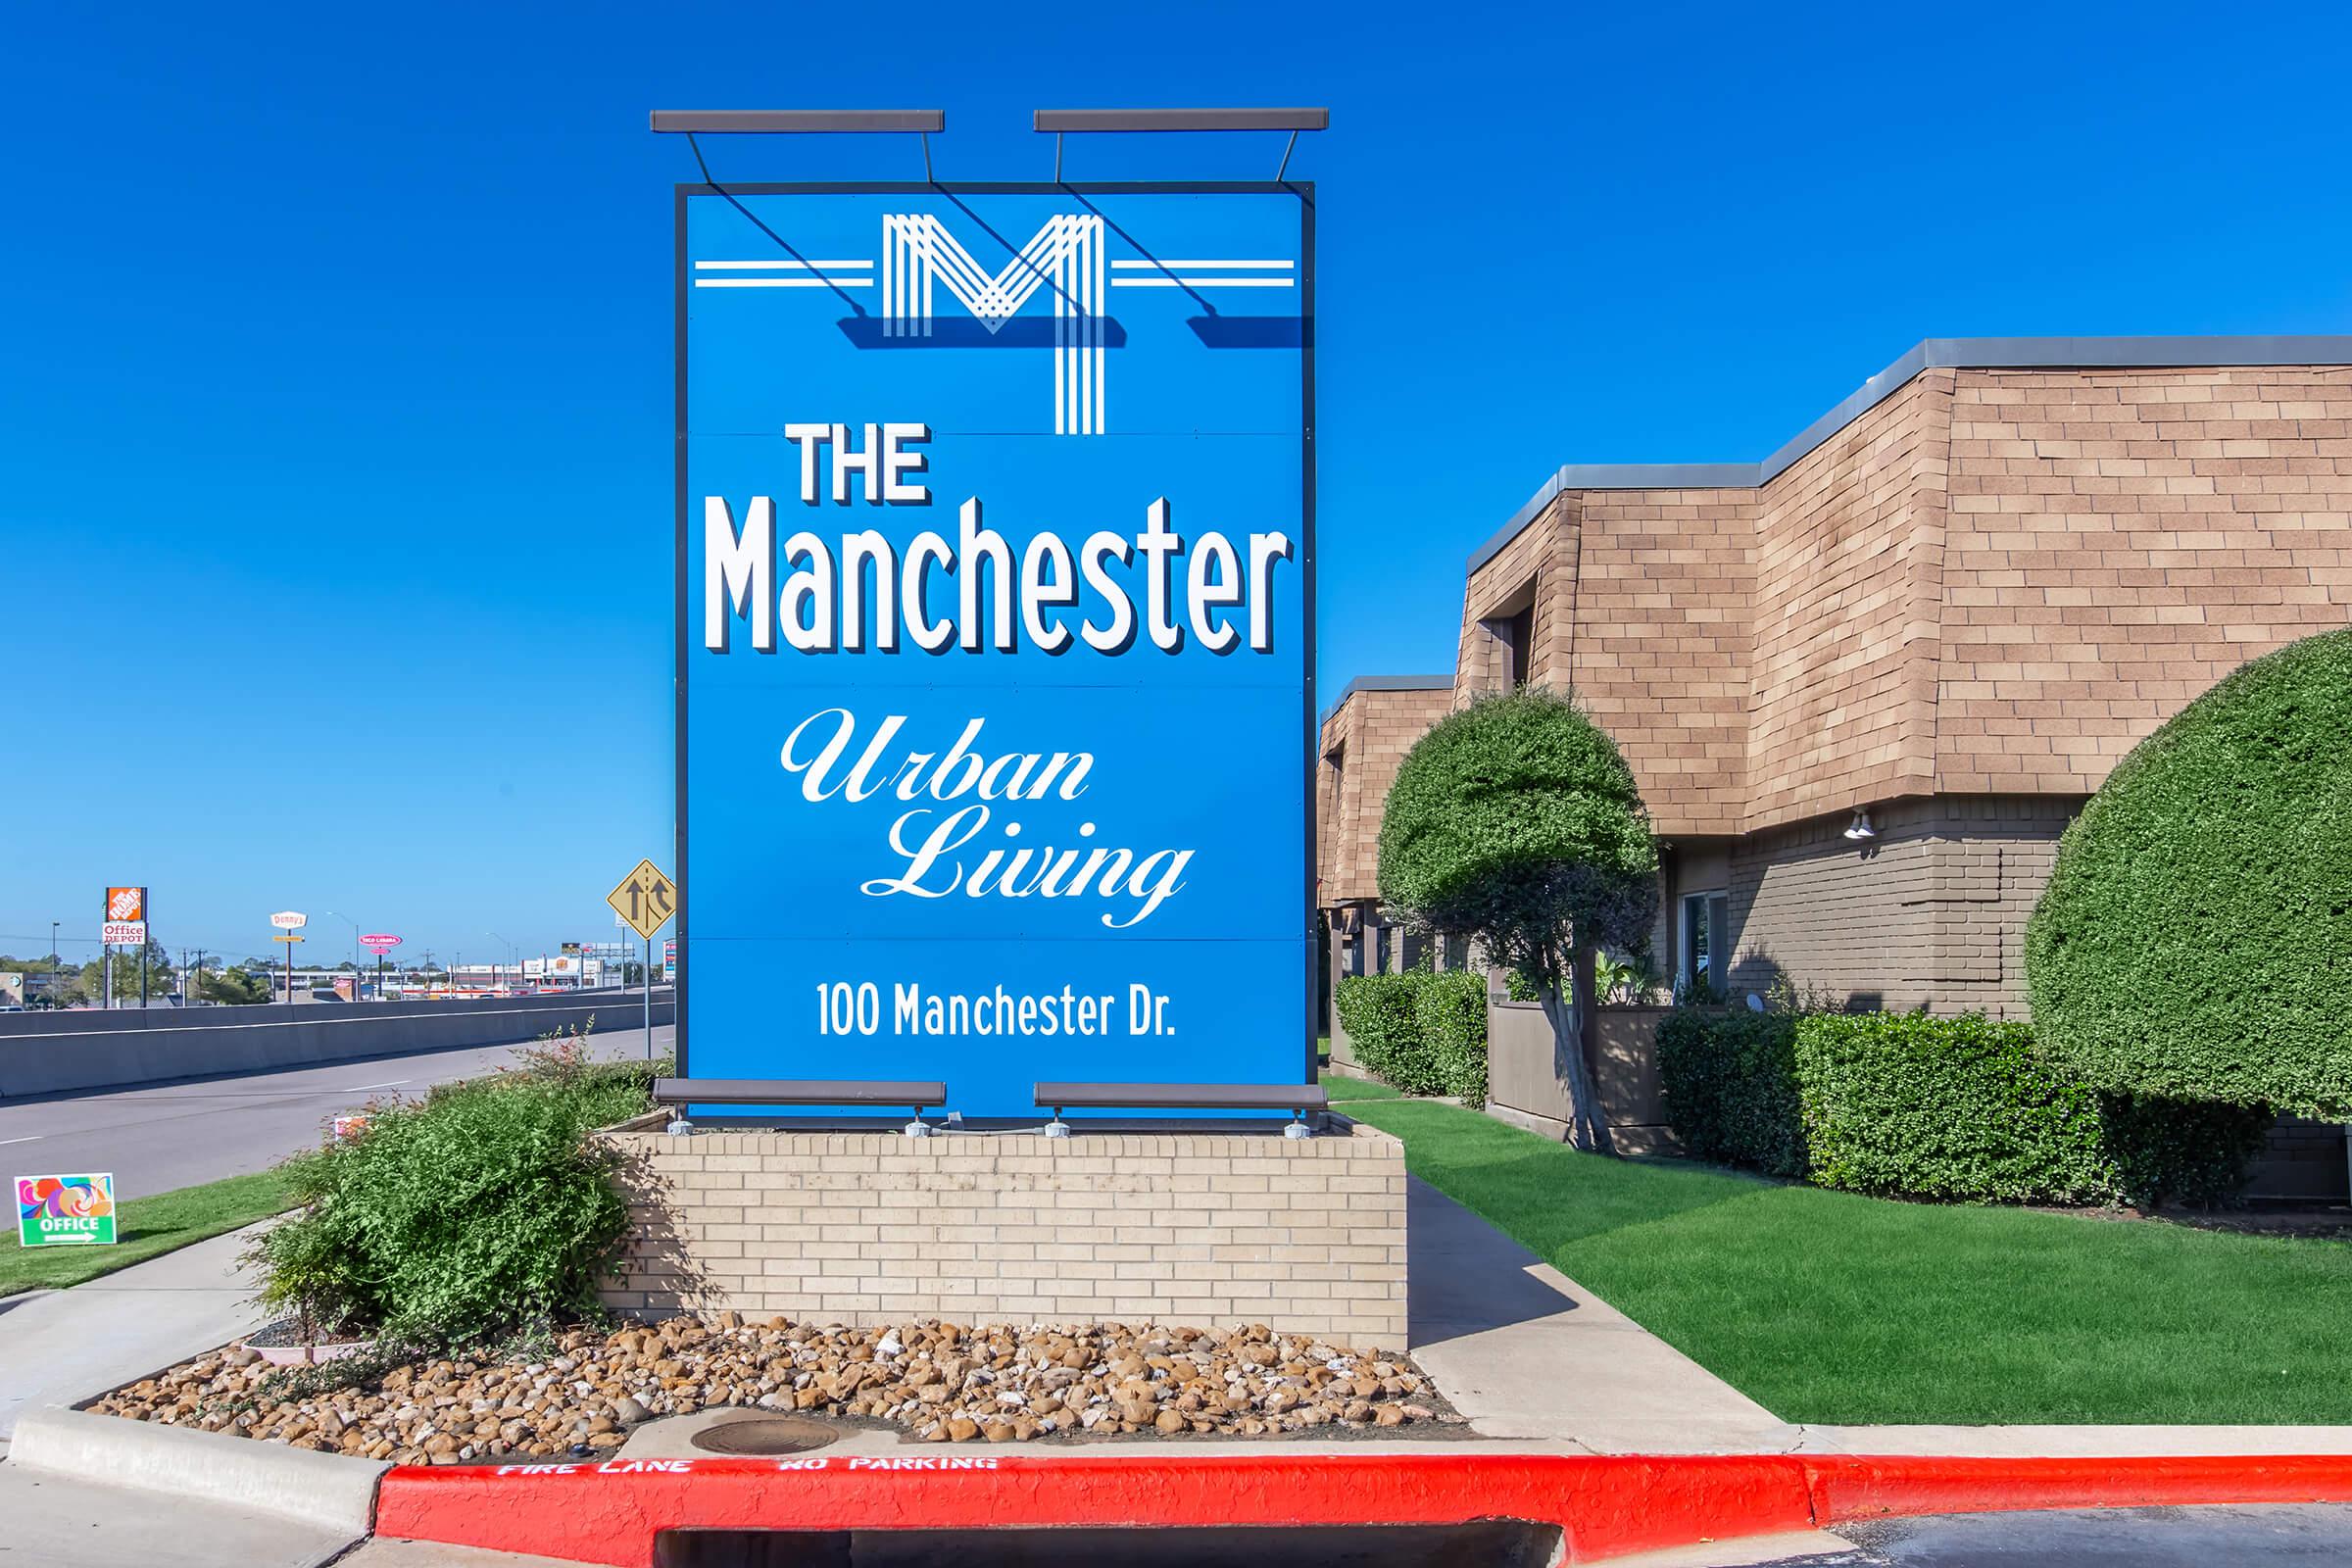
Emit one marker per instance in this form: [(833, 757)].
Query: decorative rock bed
[(940, 1381)]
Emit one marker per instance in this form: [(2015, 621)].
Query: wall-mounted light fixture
[(691, 122), (1861, 828), (1060, 122)]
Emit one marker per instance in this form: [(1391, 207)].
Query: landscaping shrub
[(1450, 1012), (1903, 1103), (1381, 1014), (1420, 1032), (1965, 1110), (1516, 822), (2192, 940), (1729, 1081), (482, 1212)]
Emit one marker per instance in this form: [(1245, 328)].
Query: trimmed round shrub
[(2196, 941), (1515, 820)]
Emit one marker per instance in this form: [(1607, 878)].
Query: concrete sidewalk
[(49, 1520), (1525, 1352), (65, 1347)]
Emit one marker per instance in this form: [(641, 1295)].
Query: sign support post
[(644, 903)]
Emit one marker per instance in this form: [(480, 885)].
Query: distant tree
[(1516, 822), (234, 988), (159, 974)]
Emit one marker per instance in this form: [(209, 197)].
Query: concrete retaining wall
[(54, 1052)]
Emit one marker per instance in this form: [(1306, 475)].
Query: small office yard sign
[(996, 547), (65, 1210)]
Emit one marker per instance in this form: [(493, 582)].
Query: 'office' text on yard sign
[(996, 546)]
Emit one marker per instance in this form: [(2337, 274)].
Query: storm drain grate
[(763, 1436)]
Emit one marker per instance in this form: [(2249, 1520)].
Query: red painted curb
[(610, 1512), (1864, 1486)]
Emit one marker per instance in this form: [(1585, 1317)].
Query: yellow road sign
[(646, 899)]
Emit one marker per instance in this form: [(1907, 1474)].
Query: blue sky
[(336, 404)]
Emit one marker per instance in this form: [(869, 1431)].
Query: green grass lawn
[(1829, 1307), (146, 1227)]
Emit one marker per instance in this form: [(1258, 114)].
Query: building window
[(1706, 944), (1513, 631), (1380, 950), (1518, 635)]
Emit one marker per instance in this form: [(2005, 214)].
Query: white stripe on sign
[(789, 266), (783, 282), (1158, 266), (1191, 282)]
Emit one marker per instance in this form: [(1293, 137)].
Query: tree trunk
[(1589, 1123), (1582, 1001)]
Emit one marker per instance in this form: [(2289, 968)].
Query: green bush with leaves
[(482, 1212), (1450, 1012), (1380, 1015), (1729, 1082), (1516, 822), (1903, 1103), (1964, 1109), (1906, 1104), (2192, 941)]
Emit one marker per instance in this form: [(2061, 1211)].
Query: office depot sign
[(995, 697)]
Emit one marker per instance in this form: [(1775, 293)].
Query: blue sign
[(995, 635)]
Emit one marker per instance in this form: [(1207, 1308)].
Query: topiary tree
[(2196, 941), (1516, 822)]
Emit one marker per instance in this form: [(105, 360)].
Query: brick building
[(1865, 683)]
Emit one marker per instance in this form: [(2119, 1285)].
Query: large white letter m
[(1066, 256)]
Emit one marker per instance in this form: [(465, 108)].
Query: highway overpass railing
[(59, 1052)]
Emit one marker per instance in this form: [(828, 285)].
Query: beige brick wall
[(1994, 582), (2119, 541), (1305, 1236), (1848, 544), (1363, 744), (1641, 605), (1929, 913)]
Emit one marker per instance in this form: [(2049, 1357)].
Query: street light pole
[(512, 965), (354, 950)]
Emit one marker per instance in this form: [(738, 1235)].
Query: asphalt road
[(164, 1136)]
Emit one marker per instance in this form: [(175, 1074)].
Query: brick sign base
[(1195, 1228)]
